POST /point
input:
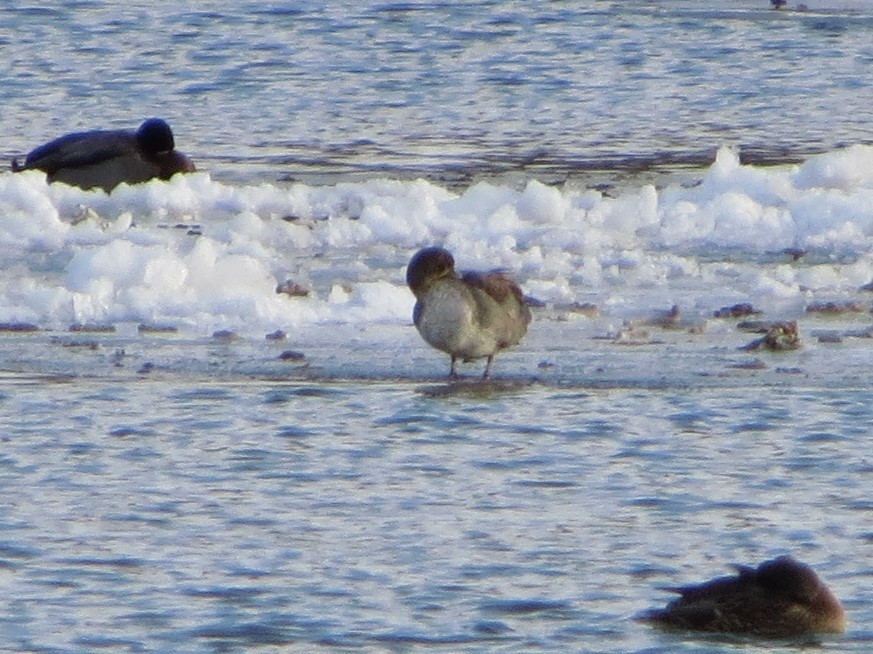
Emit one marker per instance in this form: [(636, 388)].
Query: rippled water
[(316, 91), (235, 503)]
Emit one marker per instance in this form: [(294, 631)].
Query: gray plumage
[(469, 316)]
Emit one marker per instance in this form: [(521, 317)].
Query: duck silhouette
[(780, 598), (106, 158), (469, 316)]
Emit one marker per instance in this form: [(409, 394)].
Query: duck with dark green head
[(106, 158)]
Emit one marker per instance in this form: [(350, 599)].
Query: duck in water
[(106, 158), (470, 315), (779, 598)]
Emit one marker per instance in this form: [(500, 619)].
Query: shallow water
[(230, 504)]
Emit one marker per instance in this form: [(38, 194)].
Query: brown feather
[(779, 598)]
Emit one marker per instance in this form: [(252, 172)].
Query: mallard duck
[(106, 158), (779, 598), (470, 315)]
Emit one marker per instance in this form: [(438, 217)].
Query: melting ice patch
[(202, 255)]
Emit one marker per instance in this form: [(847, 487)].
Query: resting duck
[(106, 158), (469, 316), (779, 598)]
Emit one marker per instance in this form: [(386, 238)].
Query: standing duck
[(778, 599), (470, 315), (106, 158)]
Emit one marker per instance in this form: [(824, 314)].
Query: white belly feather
[(449, 321)]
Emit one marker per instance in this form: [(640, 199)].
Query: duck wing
[(81, 149), (495, 283), (500, 305), (734, 604), (693, 616)]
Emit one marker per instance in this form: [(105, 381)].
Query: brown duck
[(470, 315), (779, 598)]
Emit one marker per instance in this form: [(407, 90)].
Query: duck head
[(156, 144), (791, 578), (427, 266), (155, 137)]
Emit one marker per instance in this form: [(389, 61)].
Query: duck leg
[(487, 372), (453, 374)]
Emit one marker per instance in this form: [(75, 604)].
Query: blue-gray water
[(315, 90), (168, 493)]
